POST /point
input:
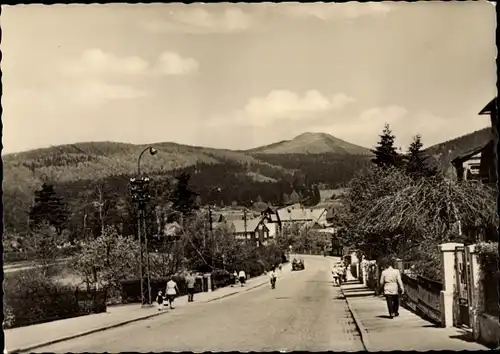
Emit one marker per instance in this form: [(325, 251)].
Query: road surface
[(304, 312)]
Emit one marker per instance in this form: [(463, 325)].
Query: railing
[(423, 296)]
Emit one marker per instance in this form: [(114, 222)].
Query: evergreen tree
[(386, 154), (417, 160), (49, 208), (183, 198)]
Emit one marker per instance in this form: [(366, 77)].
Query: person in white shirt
[(272, 278), (171, 292), (242, 277), (392, 285)]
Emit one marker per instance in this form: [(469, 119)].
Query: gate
[(463, 291)]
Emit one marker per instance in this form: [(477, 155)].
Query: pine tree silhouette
[(49, 208), (417, 164), (386, 154)]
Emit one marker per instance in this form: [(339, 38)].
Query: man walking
[(272, 278), (392, 285), (190, 282)]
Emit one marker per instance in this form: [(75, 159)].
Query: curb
[(82, 334), (359, 325), (85, 333)]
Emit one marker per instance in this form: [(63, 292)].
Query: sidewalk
[(35, 336), (406, 332)]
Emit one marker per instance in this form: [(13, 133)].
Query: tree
[(386, 154), (50, 208), (390, 213), (183, 198), (108, 260), (417, 165), (43, 243)]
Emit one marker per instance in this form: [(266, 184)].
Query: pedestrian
[(335, 273), (235, 280), (159, 300), (243, 277), (272, 278), (190, 282), (280, 267), (171, 292), (392, 285)]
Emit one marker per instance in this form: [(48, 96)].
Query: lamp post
[(151, 150), (142, 198)]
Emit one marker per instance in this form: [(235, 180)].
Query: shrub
[(488, 257), (31, 298)]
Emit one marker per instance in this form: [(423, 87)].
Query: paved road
[(304, 312)]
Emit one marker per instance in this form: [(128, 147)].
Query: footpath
[(23, 339), (405, 332)]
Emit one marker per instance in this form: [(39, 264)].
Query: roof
[(287, 214), (489, 107), (467, 155)]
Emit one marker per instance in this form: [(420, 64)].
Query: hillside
[(77, 169), (312, 143), (443, 153)]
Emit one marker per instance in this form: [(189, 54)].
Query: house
[(272, 221), (480, 164), (477, 164), (253, 230)]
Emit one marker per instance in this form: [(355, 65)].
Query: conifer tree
[(49, 208), (417, 164), (386, 154)]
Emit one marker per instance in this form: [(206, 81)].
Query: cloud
[(171, 63), (285, 105), (97, 62), (198, 20), (332, 11)]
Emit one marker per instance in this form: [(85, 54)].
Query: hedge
[(31, 298)]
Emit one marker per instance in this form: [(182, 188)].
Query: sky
[(238, 76)]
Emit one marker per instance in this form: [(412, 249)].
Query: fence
[(422, 295)]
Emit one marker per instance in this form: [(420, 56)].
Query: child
[(159, 300)]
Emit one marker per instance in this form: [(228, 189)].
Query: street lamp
[(152, 151), (141, 232)]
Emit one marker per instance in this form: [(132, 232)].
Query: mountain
[(312, 143), (77, 169), (443, 153)]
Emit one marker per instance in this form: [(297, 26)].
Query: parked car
[(298, 264)]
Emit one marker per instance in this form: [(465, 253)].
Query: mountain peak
[(312, 143)]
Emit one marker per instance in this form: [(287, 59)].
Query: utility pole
[(141, 197)]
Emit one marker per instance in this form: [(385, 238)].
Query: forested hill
[(77, 169), (443, 153)]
